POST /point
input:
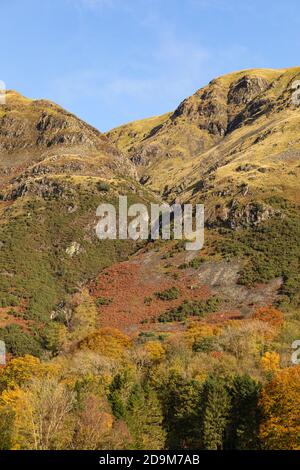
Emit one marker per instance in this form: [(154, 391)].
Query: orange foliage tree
[(270, 315), (280, 404)]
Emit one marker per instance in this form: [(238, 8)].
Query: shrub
[(205, 344), (18, 342), (102, 187), (271, 250), (168, 294), (195, 264), (103, 301), (145, 336), (8, 300), (197, 308), (147, 301)]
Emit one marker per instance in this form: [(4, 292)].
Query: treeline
[(45, 406), (224, 386)]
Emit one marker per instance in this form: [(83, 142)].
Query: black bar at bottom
[(144, 459)]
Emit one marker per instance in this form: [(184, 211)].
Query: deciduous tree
[(280, 405)]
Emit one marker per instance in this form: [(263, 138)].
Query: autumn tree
[(42, 417), (271, 316), (14, 403), (109, 342), (280, 404), (93, 424), (270, 362), (148, 354), (18, 371), (84, 316), (6, 427), (196, 331)]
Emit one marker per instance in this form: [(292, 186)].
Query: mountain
[(233, 146)]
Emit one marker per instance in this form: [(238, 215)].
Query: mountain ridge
[(214, 119)]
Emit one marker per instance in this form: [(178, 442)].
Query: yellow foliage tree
[(280, 405), (154, 351), (199, 330), (18, 371), (42, 417), (16, 401), (270, 362), (21, 370), (109, 342)]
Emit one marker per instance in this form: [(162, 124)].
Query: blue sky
[(113, 61)]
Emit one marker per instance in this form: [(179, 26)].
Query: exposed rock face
[(44, 188), (246, 89), (48, 122), (246, 167), (214, 107), (247, 216), (207, 109), (31, 124)]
